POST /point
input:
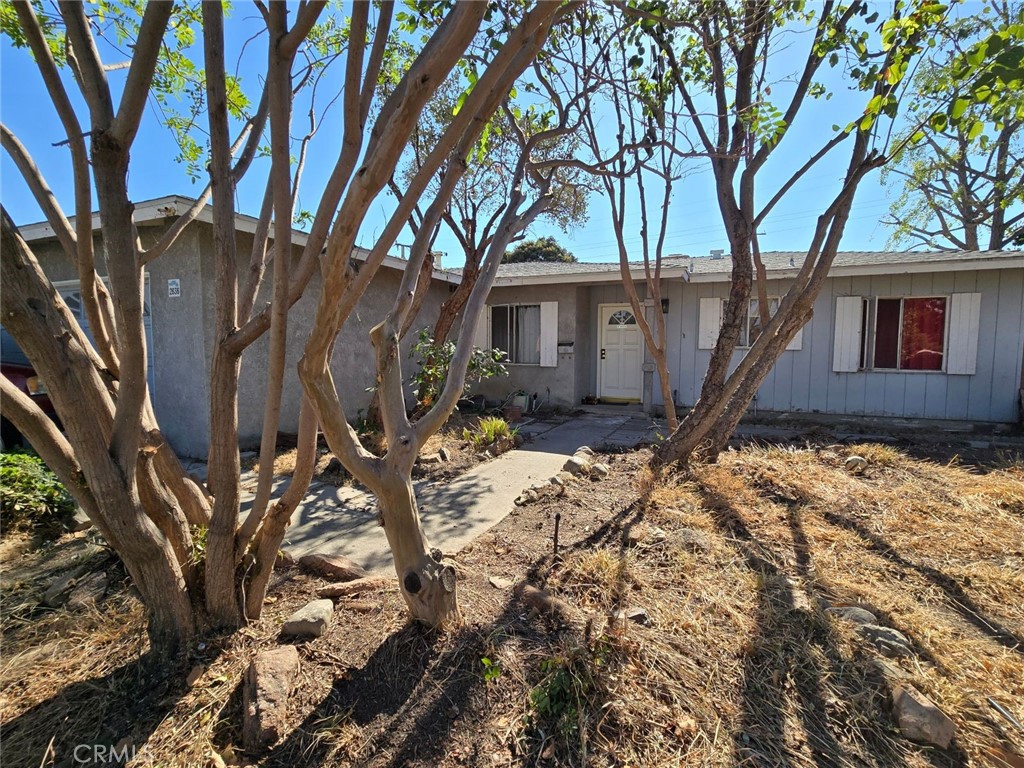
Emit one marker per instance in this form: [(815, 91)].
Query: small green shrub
[(30, 494), (490, 430), (492, 670), (566, 693), (433, 359)]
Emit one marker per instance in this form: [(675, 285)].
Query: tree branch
[(140, 74), (40, 191)]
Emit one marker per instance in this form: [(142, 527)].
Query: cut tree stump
[(269, 682), (334, 567)]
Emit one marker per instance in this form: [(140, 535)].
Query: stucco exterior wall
[(181, 386), (184, 338), (352, 365), (555, 386)]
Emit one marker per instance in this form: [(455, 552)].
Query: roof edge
[(156, 209)]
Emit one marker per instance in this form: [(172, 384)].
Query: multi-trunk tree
[(638, 180), (112, 455), (723, 62), (426, 577)]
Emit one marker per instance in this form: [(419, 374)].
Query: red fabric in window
[(924, 333), (887, 333)]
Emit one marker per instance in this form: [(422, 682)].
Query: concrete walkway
[(344, 520)]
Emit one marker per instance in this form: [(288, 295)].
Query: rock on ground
[(88, 591), (854, 614), (58, 591), (887, 640), (269, 681), (499, 583), (694, 540), (919, 719), (332, 566), (80, 522), (599, 470), (346, 588), (856, 464), (577, 465), (311, 620)]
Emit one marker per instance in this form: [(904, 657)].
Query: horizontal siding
[(803, 381)]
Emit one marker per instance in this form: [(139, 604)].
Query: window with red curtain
[(910, 334), (924, 334)]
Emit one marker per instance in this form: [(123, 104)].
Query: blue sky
[(694, 229)]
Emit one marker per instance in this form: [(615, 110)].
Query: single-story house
[(915, 335), (180, 317), (933, 335)]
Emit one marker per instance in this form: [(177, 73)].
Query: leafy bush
[(434, 359), (490, 430), (30, 494)]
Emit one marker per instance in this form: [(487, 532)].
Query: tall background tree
[(639, 179), (963, 184), (542, 249)]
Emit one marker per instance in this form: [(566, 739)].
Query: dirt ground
[(464, 455), (732, 658)]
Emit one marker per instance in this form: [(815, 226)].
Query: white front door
[(621, 357)]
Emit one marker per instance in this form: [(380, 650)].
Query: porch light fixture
[(664, 306)]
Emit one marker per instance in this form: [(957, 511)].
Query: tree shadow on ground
[(407, 695), (403, 699), (105, 720), (956, 596), (801, 697)]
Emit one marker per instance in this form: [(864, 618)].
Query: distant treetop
[(541, 249)]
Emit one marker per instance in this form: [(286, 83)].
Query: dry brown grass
[(739, 665), (936, 551)]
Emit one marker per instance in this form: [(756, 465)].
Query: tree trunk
[(427, 580), (725, 425), (665, 381), (42, 325), (222, 600), (268, 539)]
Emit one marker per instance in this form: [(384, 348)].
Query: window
[(752, 323), (906, 334), (711, 313), (515, 328)]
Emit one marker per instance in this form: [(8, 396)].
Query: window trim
[(871, 330), (744, 342), (490, 332), (796, 343)]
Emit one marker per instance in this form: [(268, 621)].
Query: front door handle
[(602, 354)]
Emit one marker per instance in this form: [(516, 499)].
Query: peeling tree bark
[(40, 322)]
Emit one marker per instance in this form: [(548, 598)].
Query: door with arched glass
[(620, 362)]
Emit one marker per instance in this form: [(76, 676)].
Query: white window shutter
[(482, 338), (549, 334), (846, 349), (709, 323), (964, 322), (797, 342)]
